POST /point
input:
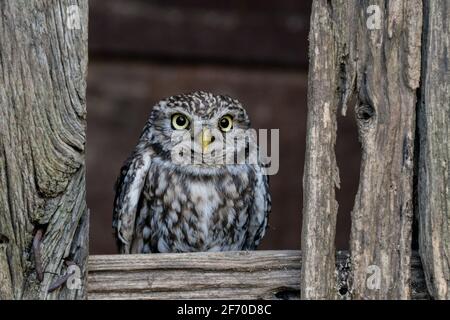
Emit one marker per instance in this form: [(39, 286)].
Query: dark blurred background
[(254, 50)]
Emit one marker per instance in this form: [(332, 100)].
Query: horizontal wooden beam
[(216, 275)]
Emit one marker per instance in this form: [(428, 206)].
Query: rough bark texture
[(434, 150), (388, 73), (43, 65), (381, 68), (216, 275), (321, 175)]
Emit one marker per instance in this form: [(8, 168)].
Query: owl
[(183, 190)]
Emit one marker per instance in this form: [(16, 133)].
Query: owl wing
[(259, 210), (129, 187)]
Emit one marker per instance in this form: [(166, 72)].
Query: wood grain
[(321, 175), (387, 76), (43, 67), (219, 275), (380, 70), (434, 150)]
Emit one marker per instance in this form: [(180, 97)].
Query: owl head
[(199, 129)]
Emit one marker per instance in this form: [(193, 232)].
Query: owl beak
[(207, 139)]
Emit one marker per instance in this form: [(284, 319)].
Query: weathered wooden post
[(434, 150), (370, 50), (43, 213), (321, 175)]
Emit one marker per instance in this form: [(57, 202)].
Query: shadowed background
[(253, 50)]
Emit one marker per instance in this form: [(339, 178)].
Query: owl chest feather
[(183, 212)]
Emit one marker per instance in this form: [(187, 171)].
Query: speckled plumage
[(162, 206)]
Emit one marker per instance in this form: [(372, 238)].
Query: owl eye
[(179, 121), (226, 123)]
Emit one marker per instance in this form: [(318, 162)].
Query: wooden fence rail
[(218, 275)]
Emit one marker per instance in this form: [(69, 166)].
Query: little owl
[(205, 202)]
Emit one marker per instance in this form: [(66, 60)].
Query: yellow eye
[(226, 123), (179, 121)]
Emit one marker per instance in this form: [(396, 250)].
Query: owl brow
[(183, 108), (231, 107)]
